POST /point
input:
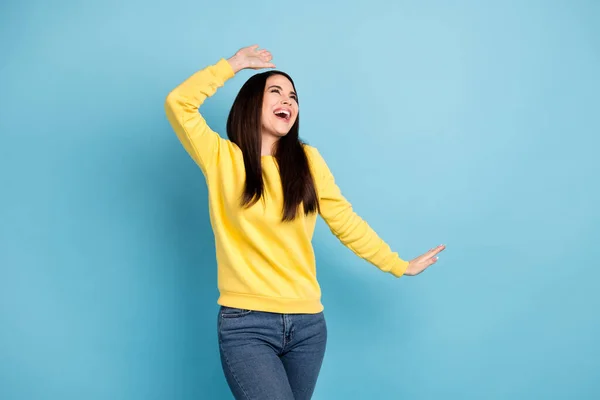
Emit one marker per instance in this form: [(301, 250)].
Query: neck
[(268, 145)]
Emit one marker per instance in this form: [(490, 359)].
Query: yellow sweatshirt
[(264, 264)]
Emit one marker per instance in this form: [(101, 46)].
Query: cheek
[(265, 114), (265, 120)]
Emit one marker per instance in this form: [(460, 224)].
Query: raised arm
[(183, 102), (181, 107), (355, 233)]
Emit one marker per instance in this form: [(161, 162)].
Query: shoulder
[(312, 153), (316, 160)]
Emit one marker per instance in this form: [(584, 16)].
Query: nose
[(286, 101)]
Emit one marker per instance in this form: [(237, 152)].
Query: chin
[(278, 132)]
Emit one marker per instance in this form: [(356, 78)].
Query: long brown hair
[(244, 125)]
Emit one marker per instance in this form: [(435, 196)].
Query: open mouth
[(283, 114)]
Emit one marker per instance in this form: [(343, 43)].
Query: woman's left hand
[(421, 263)]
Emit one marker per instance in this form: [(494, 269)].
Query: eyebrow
[(280, 88)]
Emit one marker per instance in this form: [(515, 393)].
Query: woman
[(265, 189)]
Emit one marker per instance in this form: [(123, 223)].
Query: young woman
[(265, 189)]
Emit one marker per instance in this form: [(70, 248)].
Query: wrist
[(236, 64)]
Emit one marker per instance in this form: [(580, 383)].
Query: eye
[(276, 90)]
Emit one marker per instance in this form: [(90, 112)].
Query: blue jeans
[(271, 356)]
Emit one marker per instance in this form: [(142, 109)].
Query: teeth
[(286, 112)]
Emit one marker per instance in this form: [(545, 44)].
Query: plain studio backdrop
[(469, 123)]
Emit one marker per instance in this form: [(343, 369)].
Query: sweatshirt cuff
[(224, 69), (399, 268)]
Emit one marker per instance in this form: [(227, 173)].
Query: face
[(280, 106)]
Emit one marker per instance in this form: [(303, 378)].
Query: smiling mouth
[(284, 115)]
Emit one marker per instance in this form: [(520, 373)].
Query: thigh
[(248, 349), (304, 354)]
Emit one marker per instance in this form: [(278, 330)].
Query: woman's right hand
[(252, 58)]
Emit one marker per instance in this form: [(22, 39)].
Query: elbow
[(170, 101), (172, 109), (173, 106)]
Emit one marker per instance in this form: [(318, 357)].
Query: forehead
[(280, 80)]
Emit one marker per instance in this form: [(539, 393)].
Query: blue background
[(469, 123)]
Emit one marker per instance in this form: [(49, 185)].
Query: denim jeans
[(271, 356)]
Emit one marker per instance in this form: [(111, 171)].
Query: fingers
[(431, 256), (261, 65), (265, 54), (428, 263), (432, 252), (254, 48)]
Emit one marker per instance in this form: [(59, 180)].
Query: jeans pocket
[(232, 312)]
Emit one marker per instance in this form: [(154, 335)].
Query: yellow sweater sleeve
[(181, 107), (348, 227)]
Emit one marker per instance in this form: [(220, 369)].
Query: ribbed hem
[(399, 269), (270, 304), (224, 68)]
